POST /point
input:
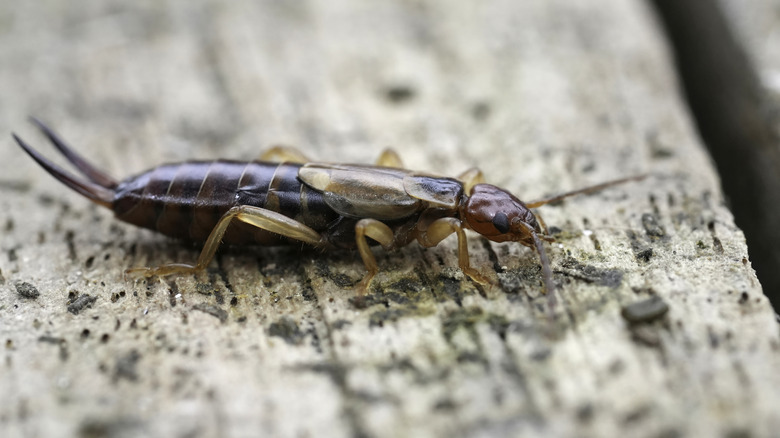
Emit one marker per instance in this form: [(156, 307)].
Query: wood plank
[(545, 96)]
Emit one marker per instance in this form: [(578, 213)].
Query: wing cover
[(435, 191), (362, 191)]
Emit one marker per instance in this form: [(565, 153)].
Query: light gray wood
[(544, 96)]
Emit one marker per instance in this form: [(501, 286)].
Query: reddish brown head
[(499, 216)]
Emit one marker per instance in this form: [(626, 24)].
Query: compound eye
[(501, 222)]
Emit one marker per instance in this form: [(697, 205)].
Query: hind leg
[(259, 217), (284, 154)]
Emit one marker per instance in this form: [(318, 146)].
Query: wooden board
[(544, 96)]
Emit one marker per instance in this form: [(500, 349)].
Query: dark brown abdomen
[(186, 200)]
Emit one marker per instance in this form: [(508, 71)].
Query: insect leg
[(441, 228), (546, 233), (266, 219), (542, 224), (284, 154), (379, 232), (470, 178), (389, 158)]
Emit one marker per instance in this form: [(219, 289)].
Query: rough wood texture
[(735, 118), (543, 95)]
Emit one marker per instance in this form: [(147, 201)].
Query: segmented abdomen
[(186, 200)]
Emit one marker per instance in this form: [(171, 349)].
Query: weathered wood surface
[(543, 95), (715, 51)]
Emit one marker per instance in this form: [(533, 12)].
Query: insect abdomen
[(187, 200)]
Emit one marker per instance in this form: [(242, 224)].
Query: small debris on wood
[(644, 254), (80, 303), (400, 93), (645, 310), (287, 329), (27, 290), (212, 310), (651, 226), (51, 339), (591, 274), (126, 366)]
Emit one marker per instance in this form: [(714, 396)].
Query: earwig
[(284, 198)]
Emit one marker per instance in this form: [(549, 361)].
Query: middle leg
[(470, 178), (381, 233), (389, 158)]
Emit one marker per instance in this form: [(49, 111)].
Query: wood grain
[(544, 96)]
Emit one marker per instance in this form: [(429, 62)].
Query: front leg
[(440, 229)]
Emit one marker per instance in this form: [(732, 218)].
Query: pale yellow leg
[(259, 217), (284, 154), (470, 178), (389, 158), (381, 233), (440, 229)]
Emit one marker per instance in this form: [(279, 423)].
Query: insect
[(284, 198)]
